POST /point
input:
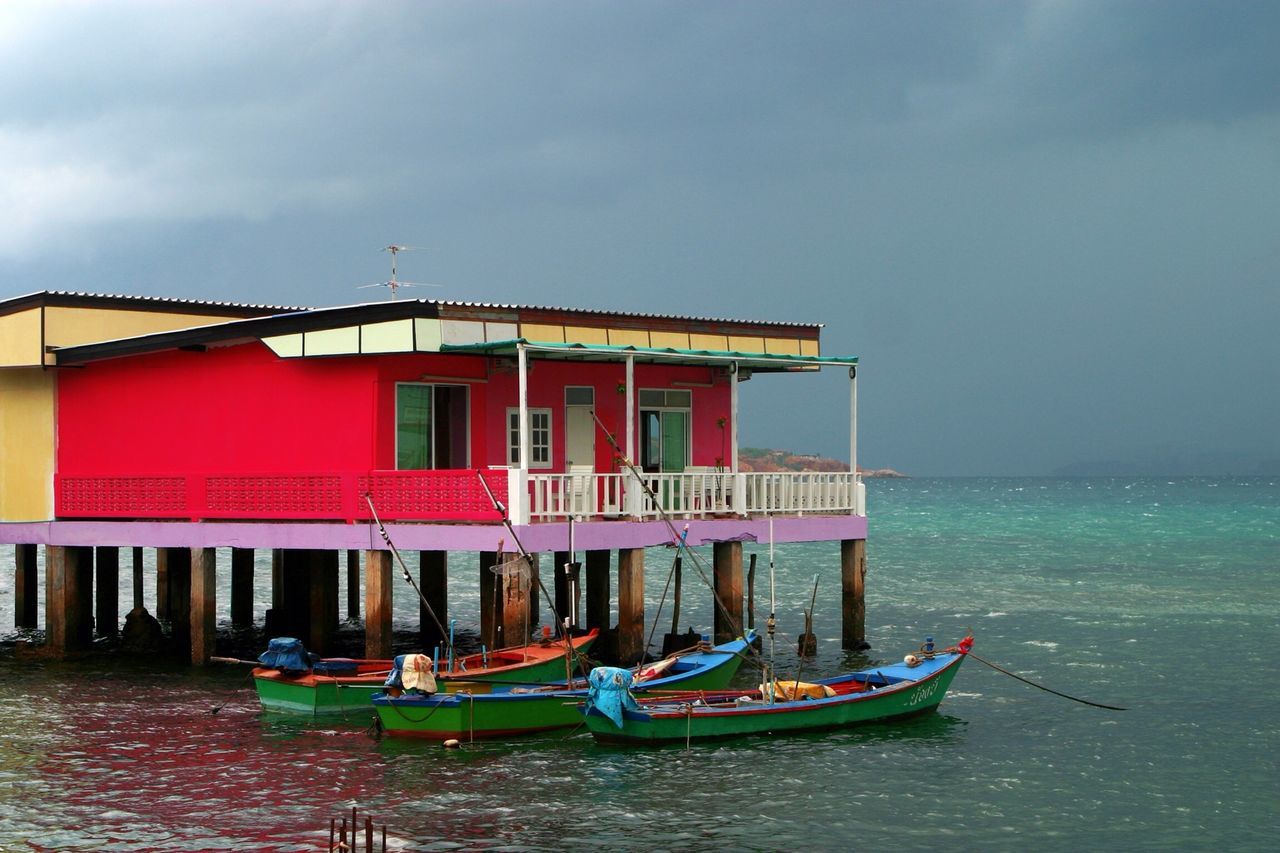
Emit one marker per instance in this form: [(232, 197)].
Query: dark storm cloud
[(1022, 216)]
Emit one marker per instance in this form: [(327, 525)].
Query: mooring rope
[(1046, 689)]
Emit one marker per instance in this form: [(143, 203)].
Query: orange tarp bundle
[(791, 690)]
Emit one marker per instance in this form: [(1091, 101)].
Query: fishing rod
[(1046, 689), (675, 567), (404, 571), (680, 543), (506, 522), (772, 623), (800, 646)]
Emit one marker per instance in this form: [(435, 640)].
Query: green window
[(431, 426), (413, 426)]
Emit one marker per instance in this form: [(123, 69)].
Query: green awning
[(759, 361)]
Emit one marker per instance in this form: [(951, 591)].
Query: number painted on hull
[(922, 693)]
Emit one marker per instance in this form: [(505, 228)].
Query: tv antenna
[(395, 284)]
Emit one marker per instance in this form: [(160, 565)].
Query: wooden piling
[(727, 571), (534, 591), (377, 604), (433, 580), (242, 587), (322, 585), (175, 565), (137, 579), (106, 591), (353, 585), (597, 598), (204, 605), (560, 591), (25, 579), (68, 593), (751, 591), (853, 610), (516, 588), (291, 617), (162, 585), (630, 604), (277, 579), (490, 614)]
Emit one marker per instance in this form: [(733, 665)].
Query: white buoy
[(452, 743)]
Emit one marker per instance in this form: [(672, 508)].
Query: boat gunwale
[(647, 713)]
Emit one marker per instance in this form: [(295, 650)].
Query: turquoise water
[(1153, 594)]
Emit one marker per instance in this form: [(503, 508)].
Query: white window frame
[(641, 408), (513, 438)]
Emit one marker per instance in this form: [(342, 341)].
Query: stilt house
[(189, 426)]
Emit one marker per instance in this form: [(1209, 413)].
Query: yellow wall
[(20, 338), (26, 444), (65, 327)]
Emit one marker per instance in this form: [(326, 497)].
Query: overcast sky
[(1050, 231)]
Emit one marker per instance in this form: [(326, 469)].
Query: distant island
[(762, 459)]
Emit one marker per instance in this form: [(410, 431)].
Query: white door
[(579, 436)]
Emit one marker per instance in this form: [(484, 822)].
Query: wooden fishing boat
[(344, 685), (873, 695), (468, 715)]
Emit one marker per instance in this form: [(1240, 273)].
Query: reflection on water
[(1080, 585)]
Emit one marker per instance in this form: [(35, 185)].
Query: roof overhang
[(759, 362)]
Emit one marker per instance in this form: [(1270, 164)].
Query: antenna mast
[(394, 250)]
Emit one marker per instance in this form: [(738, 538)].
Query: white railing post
[(739, 493), (853, 426), (518, 495)]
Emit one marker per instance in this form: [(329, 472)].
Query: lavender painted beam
[(601, 535)]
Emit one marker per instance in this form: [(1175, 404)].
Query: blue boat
[(518, 710)]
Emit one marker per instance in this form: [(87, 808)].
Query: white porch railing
[(691, 495)]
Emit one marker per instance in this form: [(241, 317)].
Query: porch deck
[(458, 496)]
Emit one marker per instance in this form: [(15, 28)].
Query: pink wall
[(243, 410), (548, 380)]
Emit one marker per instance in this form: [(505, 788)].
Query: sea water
[(1157, 595)]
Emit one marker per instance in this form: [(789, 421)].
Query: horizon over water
[(1156, 594)]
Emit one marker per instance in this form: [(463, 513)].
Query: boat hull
[(470, 716), (672, 723), (319, 695)]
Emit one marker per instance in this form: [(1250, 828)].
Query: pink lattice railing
[(454, 495)]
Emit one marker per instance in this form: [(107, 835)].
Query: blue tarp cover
[(394, 677), (610, 692), (335, 666), (286, 653)]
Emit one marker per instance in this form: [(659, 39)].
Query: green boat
[(345, 685), (467, 715), (614, 714)]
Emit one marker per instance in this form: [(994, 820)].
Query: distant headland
[(763, 459)]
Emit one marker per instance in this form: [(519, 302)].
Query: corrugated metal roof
[(639, 315), (290, 320), (162, 300), (492, 306)]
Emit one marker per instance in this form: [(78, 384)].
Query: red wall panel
[(241, 409)]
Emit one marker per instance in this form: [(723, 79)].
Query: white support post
[(853, 440), (733, 417), (523, 359), (632, 489), (739, 481), (519, 498)]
